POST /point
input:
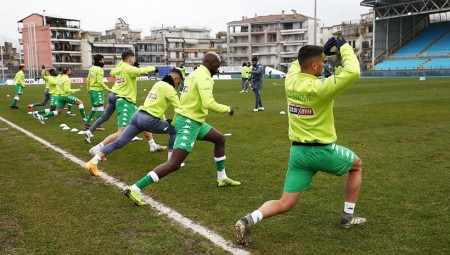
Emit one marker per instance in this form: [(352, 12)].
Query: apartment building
[(274, 39), (51, 41), (186, 45)]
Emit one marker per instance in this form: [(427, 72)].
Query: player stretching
[(95, 87), (311, 129), (196, 99), (51, 83), (20, 86), (65, 97), (150, 117), (126, 74)]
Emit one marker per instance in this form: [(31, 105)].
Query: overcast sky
[(145, 15)]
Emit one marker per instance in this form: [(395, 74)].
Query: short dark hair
[(66, 70), (21, 67), (244, 64), (177, 71), (307, 52), (255, 59), (127, 54), (98, 57)]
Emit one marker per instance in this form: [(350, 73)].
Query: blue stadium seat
[(423, 40), (441, 48), (438, 63), (409, 64)]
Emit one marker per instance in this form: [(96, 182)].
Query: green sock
[(69, 107), (41, 111), (89, 118), (50, 114), (220, 165), (14, 102), (83, 114), (144, 182), (99, 114)]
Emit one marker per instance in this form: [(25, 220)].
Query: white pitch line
[(159, 207)]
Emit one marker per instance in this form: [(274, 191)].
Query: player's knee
[(357, 164)]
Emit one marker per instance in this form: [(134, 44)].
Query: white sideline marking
[(159, 207)]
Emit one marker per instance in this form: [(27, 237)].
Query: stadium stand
[(409, 64), (418, 54), (437, 63), (440, 48), (422, 41)]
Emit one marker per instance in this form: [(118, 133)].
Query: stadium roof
[(396, 8)]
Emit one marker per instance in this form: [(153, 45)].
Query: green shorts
[(97, 97), (125, 111), (53, 100), (188, 131), (306, 161), (63, 100), (19, 89)]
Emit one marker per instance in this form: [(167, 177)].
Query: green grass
[(400, 128)]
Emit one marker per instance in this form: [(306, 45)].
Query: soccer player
[(183, 71), (20, 86), (46, 94), (95, 87), (150, 117), (51, 83), (126, 74), (311, 129), (256, 78), (65, 97), (189, 121), (244, 76)]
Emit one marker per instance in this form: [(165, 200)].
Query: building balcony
[(57, 26), (70, 39), (287, 54), (77, 53), (239, 34), (152, 53), (175, 59), (238, 44), (294, 42), (238, 55), (67, 63), (293, 31), (263, 53)]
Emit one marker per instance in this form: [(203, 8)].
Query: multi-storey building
[(111, 45), (50, 41), (186, 45), (359, 34), (274, 39), (150, 51)]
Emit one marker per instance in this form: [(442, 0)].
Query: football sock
[(256, 216), (14, 102), (98, 114), (135, 188), (89, 118), (220, 166), (81, 108), (69, 108), (96, 159), (152, 143), (147, 180), (349, 207)]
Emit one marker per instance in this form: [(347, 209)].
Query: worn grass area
[(399, 127)]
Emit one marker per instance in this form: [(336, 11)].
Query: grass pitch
[(398, 127)]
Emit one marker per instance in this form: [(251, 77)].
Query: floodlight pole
[(315, 22), (3, 71)]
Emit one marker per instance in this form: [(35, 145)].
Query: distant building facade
[(274, 39), (50, 41)]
